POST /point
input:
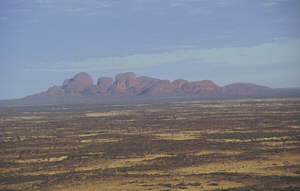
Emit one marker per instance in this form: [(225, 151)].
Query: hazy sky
[(42, 42)]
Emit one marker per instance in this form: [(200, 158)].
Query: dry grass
[(258, 167), (295, 126), (108, 140), (109, 114), (280, 144), (207, 145), (18, 118), (100, 164), (232, 140), (51, 159), (19, 186), (155, 183), (223, 152), (118, 163), (176, 136), (45, 172)]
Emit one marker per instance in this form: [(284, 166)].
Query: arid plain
[(247, 144)]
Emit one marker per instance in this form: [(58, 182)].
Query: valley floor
[(249, 144)]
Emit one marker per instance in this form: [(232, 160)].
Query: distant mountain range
[(127, 84)]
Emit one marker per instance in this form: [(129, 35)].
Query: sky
[(43, 42)]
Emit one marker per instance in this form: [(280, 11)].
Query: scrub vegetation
[(234, 145)]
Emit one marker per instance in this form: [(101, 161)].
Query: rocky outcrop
[(161, 87), (78, 84), (198, 87), (55, 91), (103, 86), (123, 82), (127, 84), (179, 83), (245, 89)]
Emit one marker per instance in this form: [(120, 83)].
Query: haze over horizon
[(43, 42)]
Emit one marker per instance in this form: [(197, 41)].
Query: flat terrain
[(231, 145)]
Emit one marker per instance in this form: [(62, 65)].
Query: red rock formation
[(244, 89), (179, 83), (140, 84), (78, 84), (204, 86), (161, 87), (103, 85), (55, 91), (125, 76), (123, 81), (128, 84), (105, 82)]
